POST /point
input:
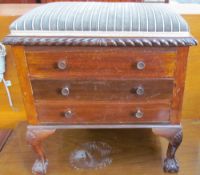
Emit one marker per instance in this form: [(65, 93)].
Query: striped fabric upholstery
[(101, 16)]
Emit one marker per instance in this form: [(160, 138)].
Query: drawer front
[(101, 62), (100, 90), (102, 113)]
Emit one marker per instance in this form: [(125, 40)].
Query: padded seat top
[(100, 19)]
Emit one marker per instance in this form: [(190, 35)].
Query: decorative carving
[(170, 163), (104, 42), (34, 138), (174, 136)]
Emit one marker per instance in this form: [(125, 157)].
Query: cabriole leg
[(34, 138), (174, 135)]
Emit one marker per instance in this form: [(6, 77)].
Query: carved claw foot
[(170, 165), (174, 135), (34, 138), (40, 167)]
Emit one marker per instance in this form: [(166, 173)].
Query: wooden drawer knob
[(140, 65), (68, 113), (139, 114), (140, 91), (65, 91), (62, 65)]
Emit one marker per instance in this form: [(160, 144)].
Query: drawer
[(101, 113), (102, 90), (101, 62)]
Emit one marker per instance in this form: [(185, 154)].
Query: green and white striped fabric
[(101, 19)]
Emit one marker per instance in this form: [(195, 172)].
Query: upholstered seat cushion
[(100, 18)]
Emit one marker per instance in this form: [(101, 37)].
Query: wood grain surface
[(25, 84), (99, 62), (133, 151), (4, 135), (102, 113), (124, 90), (179, 84), (117, 90), (102, 83), (111, 86)]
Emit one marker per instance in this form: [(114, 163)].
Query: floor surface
[(102, 152), (4, 135)]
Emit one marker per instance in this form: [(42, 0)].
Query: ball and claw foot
[(40, 167), (170, 165), (35, 137), (174, 136)]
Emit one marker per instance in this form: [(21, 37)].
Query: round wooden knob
[(68, 113), (62, 65), (139, 114), (140, 90), (140, 65), (65, 91)]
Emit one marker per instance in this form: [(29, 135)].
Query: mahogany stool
[(101, 65)]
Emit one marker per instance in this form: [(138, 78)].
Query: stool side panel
[(179, 84), (25, 84)]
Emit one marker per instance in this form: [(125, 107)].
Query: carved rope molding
[(105, 42)]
